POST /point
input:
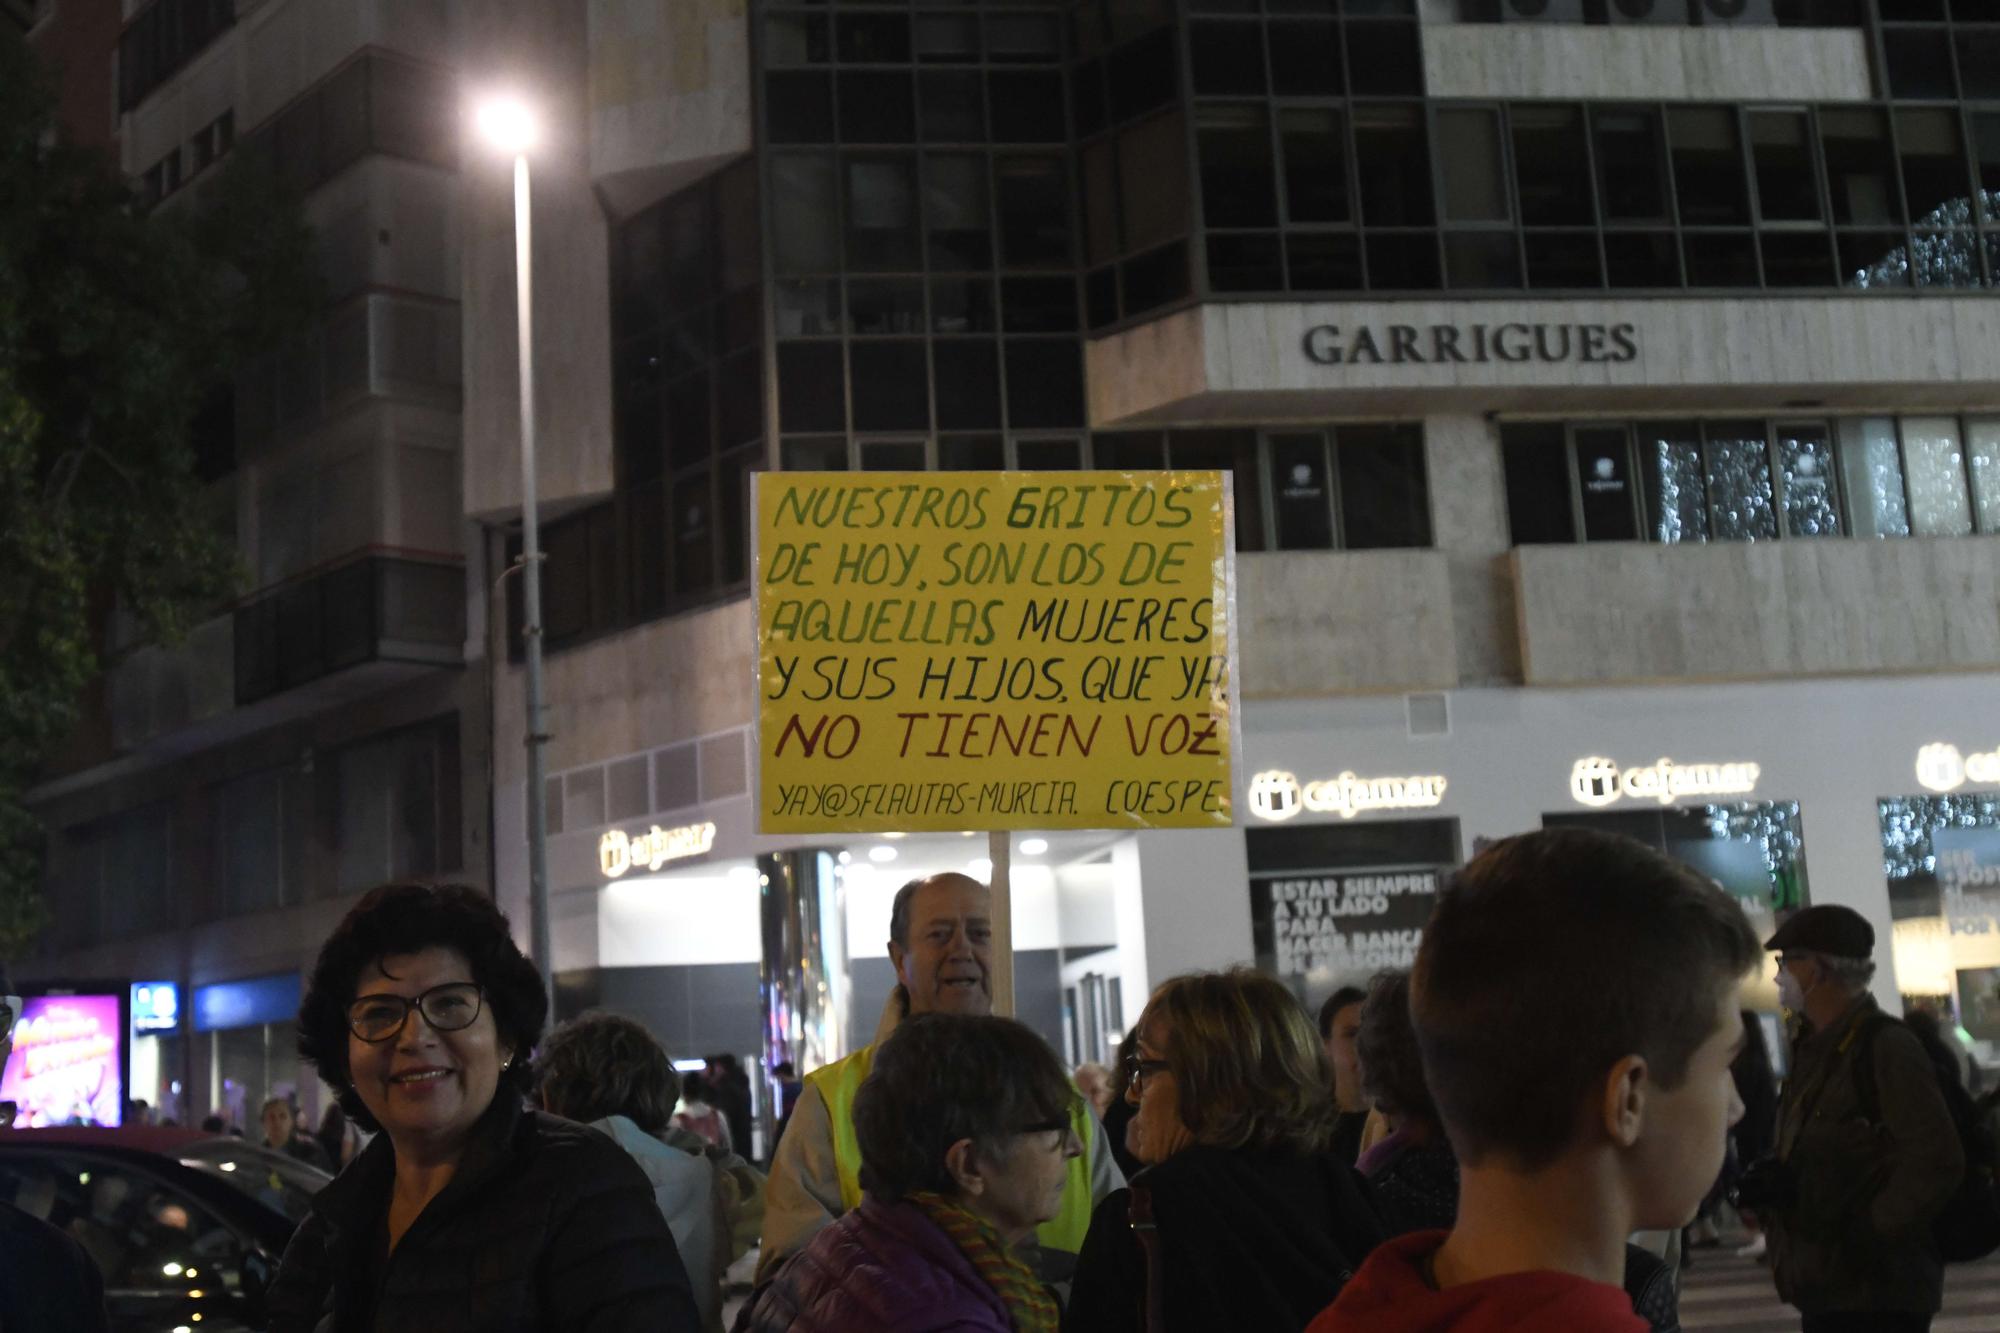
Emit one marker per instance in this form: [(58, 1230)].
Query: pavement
[(1722, 1292)]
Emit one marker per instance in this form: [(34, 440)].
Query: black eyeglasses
[(447, 1008), (1137, 1071)]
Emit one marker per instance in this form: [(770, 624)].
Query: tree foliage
[(116, 325)]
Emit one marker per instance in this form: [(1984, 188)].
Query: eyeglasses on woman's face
[(1138, 1070), (447, 1008)]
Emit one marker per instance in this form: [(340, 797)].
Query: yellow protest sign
[(993, 650)]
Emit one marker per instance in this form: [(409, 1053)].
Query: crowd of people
[(1513, 1134)]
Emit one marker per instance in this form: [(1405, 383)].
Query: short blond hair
[(1247, 1063)]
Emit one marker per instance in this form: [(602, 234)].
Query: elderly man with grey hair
[(1867, 1151), (940, 936)]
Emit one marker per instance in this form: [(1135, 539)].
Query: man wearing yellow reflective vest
[(940, 934)]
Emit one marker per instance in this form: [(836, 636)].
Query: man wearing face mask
[(940, 933), (1865, 1170)]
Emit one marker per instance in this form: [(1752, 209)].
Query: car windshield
[(271, 1178)]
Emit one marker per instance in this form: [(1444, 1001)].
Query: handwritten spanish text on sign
[(993, 650)]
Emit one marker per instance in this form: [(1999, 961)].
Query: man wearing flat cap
[(1868, 1151)]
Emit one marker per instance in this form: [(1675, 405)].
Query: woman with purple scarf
[(964, 1130)]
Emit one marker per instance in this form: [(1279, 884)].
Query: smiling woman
[(467, 1212)]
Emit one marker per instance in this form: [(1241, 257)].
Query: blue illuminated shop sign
[(246, 1003), (156, 1006)]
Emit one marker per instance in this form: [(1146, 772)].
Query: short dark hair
[(940, 1078), (1336, 1002), (1247, 1071), (399, 919), (1550, 957), (602, 1064), (1392, 1068)]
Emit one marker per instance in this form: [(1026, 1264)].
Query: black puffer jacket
[(546, 1225)]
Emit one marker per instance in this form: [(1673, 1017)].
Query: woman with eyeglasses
[(1243, 1218), (965, 1133), (467, 1213)]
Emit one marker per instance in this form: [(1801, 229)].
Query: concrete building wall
[(540, 52), (1744, 610), (670, 94), (1315, 623), (1555, 60)]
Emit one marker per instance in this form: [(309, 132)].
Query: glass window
[(1099, 173), (1806, 471), (957, 220), (1238, 177), (1860, 169), (812, 391), (1142, 74), (1628, 164), (693, 525), (1129, 450), (1384, 496), (1919, 61), (1708, 165), (874, 39), (892, 456), (1787, 190), (1604, 478), (1305, 57), (1027, 106), (1044, 383), (971, 453), (798, 106), (1152, 181), (806, 454), (1979, 58), (1228, 58), (1872, 470), (1384, 59), (1551, 165), (806, 226), (876, 107), (807, 306), (1986, 152), (1487, 259), (1393, 161), (1738, 473), (1720, 259), (1982, 438), (954, 107), (1245, 263), (1796, 259), (1048, 455), (963, 305), (886, 305), (1323, 261), (1314, 147), (968, 383), (890, 383), (1676, 496), (795, 39), (1039, 305), (881, 213), (392, 811), (1301, 492), (1027, 38), (1155, 278), (1475, 189), (1933, 168), (1562, 259), (1034, 211), (1934, 463), (1642, 259)]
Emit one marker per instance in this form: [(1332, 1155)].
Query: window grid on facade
[(1301, 174), (1752, 479), (920, 231), (1670, 13)]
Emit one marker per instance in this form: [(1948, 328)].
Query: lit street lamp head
[(506, 123)]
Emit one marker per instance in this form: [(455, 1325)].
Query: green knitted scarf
[(1028, 1302)]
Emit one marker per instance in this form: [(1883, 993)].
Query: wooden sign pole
[(999, 849)]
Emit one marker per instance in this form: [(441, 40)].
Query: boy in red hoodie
[(1575, 1003)]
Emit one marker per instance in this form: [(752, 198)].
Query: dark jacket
[(1857, 1236), (1251, 1240), (546, 1225), (46, 1279), (883, 1268), (1415, 1185)]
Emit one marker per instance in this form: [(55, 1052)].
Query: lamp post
[(510, 126)]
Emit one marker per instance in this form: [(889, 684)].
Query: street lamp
[(509, 125)]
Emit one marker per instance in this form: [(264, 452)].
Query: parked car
[(187, 1227)]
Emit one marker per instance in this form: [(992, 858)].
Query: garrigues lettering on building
[(1471, 344), (993, 650)]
